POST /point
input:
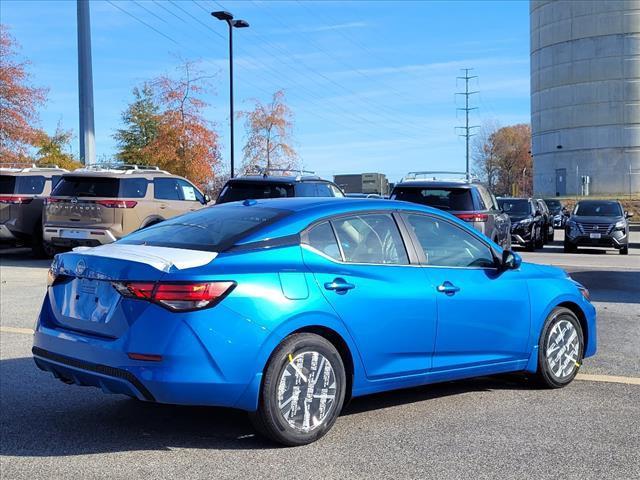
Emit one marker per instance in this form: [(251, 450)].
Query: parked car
[(548, 233), (94, 206), (287, 308), (269, 186), (526, 221), (598, 223), (558, 211), (22, 194), (466, 199)]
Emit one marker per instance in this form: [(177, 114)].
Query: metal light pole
[(85, 85), (227, 17)]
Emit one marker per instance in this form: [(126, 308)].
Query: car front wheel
[(624, 250), (302, 392), (560, 349)]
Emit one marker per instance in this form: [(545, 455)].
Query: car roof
[(599, 201), (148, 174), (435, 184), (305, 210), (277, 179), (514, 198)]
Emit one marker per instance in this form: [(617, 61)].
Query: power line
[(143, 22), (467, 128)]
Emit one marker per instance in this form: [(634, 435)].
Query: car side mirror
[(628, 214), (207, 198), (538, 213), (510, 260)]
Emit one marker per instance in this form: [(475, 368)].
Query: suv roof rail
[(439, 175), (120, 168), (28, 167), (299, 173)]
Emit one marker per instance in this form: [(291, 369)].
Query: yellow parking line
[(24, 331), (608, 379)]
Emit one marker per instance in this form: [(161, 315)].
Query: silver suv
[(465, 198)]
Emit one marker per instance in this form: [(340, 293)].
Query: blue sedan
[(287, 308)]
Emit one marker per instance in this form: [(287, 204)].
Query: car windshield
[(554, 205), (598, 209), (24, 185), (76, 186), (443, 198), (515, 206), (210, 229), (235, 191)]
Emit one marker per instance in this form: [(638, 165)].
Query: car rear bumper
[(187, 370), (74, 237)]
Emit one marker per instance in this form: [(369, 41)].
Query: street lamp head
[(226, 16), (240, 23)]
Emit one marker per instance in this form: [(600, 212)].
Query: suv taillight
[(178, 297), (117, 203), (15, 199), (473, 217)]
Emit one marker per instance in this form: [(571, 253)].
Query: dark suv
[(22, 195), (558, 212), (598, 223), (466, 199), (267, 186), (547, 221), (526, 221)]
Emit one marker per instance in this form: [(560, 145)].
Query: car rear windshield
[(598, 209), (75, 186), (211, 229), (443, 198), (554, 205), (515, 206), (234, 191), (22, 185)]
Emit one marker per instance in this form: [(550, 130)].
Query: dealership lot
[(483, 428)]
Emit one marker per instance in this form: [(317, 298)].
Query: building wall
[(363, 183), (585, 95)]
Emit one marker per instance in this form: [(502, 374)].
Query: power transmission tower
[(467, 128)]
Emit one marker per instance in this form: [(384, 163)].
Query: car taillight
[(15, 199), (182, 296), (50, 200), (473, 217), (117, 203)]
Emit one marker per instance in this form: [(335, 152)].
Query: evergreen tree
[(141, 120)]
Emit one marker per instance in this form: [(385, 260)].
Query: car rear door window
[(133, 187), (370, 238), (324, 190), (306, 189), (23, 185), (166, 189), (442, 198), (322, 238), (445, 245)]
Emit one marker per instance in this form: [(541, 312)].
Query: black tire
[(624, 250), (569, 247), (539, 242), (558, 318), (530, 246), (40, 248), (268, 419)]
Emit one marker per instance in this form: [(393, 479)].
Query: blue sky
[(371, 83)]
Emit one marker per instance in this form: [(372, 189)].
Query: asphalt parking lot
[(497, 427)]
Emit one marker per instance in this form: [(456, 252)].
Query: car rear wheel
[(560, 349), (303, 390), (569, 247)]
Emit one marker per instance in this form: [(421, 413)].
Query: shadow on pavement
[(21, 257), (42, 417), (621, 286)]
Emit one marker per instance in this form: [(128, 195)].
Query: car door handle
[(448, 288), (339, 285), (163, 206)]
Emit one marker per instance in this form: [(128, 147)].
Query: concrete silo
[(585, 96)]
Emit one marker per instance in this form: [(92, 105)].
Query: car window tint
[(235, 191), (322, 238), (485, 198), (7, 183), (209, 229), (450, 199), (189, 192), (133, 187), (598, 209), (76, 186), (306, 189), (515, 206), (370, 238), (336, 191), (446, 245), (26, 185), (166, 189), (324, 190)]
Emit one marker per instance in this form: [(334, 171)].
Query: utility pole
[(85, 85), (467, 128)]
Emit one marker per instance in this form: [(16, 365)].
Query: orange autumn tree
[(19, 101), (268, 129), (185, 142)]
